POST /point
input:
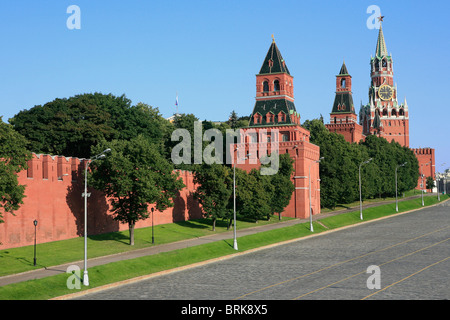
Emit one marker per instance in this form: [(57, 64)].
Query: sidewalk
[(50, 271)]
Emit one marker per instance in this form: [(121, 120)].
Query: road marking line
[(413, 274), (339, 263), (398, 258)]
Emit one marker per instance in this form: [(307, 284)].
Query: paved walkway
[(50, 271)]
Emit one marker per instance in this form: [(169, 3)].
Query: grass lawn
[(406, 194), (55, 286), (16, 260)]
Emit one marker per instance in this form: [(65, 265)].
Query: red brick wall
[(346, 125), (425, 156), (56, 202), (304, 153)]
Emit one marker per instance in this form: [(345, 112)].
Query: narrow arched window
[(343, 83), (265, 86), (276, 85)]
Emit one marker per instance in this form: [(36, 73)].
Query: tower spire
[(381, 50)]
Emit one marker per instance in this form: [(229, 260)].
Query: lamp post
[(421, 169), (310, 208), (360, 194), (396, 200), (35, 222), (86, 195), (235, 245), (438, 180), (153, 235), (437, 186)]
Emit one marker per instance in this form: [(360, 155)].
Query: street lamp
[(438, 180), (235, 245), (360, 194), (86, 195), (396, 201), (437, 186), (153, 235), (421, 169), (310, 208), (35, 222)]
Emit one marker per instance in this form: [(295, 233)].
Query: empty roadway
[(411, 251)]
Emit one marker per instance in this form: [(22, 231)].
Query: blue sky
[(209, 52)]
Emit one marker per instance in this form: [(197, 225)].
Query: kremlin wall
[(53, 197)]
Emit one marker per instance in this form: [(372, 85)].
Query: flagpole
[(176, 103)]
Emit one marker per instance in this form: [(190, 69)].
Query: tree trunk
[(214, 224), (229, 224), (131, 229)]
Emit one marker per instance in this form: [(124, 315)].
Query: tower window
[(401, 112), (265, 86), (384, 63), (276, 85), (343, 83)]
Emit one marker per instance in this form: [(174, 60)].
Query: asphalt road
[(411, 252)]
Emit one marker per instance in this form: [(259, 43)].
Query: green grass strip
[(55, 286), (17, 260)]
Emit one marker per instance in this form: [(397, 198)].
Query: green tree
[(279, 187), (71, 126), (252, 198), (215, 188), (339, 168), (430, 183), (386, 157), (133, 175), (13, 159), (233, 120)]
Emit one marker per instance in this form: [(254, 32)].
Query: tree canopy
[(71, 126), (13, 158), (133, 175), (339, 170)]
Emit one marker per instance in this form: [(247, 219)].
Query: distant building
[(343, 119), (275, 122), (383, 116)]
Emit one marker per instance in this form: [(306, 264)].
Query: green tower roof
[(381, 50), (275, 107), (274, 62), (343, 70)]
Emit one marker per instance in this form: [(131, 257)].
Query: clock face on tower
[(385, 92)]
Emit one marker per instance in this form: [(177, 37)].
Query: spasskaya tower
[(384, 115)]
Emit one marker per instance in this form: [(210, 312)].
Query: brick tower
[(343, 119), (383, 115), (275, 125)]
